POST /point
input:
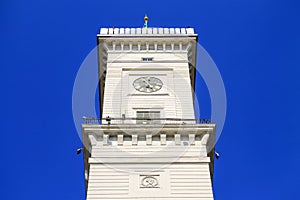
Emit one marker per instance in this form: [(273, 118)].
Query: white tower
[(151, 146)]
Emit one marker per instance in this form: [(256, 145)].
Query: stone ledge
[(152, 160)]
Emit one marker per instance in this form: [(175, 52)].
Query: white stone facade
[(174, 100), (132, 160)]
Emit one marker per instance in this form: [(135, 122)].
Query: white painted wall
[(176, 181), (174, 99)]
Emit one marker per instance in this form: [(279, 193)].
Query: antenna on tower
[(146, 21)]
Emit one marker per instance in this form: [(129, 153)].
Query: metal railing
[(145, 121)]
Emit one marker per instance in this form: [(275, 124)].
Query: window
[(148, 117), (147, 59)]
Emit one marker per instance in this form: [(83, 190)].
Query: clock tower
[(147, 143)]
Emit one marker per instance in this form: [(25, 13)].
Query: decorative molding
[(177, 139), (93, 140), (147, 45), (150, 160), (192, 139), (120, 139), (163, 139), (105, 139), (147, 32), (148, 139), (134, 139), (205, 139)]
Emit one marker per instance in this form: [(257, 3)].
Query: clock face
[(147, 84)]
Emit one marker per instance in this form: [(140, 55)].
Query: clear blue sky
[(255, 44)]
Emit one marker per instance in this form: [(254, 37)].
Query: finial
[(146, 18), (146, 21)]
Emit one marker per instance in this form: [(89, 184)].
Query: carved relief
[(149, 181)]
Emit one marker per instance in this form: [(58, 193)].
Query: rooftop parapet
[(147, 32)]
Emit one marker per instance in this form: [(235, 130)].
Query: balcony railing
[(145, 121)]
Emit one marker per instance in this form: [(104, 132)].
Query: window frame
[(145, 116)]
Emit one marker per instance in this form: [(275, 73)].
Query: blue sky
[(255, 44)]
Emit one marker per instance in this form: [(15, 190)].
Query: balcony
[(145, 121)]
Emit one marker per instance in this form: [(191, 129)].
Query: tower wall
[(133, 160)]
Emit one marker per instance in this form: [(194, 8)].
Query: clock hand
[(146, 81), (148, 84)]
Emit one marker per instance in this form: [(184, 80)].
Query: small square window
[(147, 59)]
